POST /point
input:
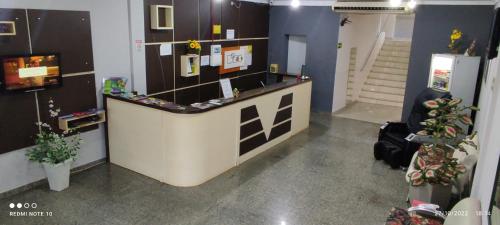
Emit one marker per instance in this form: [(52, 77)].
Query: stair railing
[(362, 75)]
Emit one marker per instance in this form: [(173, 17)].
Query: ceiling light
[(395, 3), (295, 3), (412, 4)]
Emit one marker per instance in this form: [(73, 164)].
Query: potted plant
[(193, 47), (435, 167), (455, 41), (55, 151)]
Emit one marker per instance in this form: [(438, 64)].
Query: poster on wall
[(7, 28), (233, 59)]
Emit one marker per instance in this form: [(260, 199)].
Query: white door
[(296, 54)]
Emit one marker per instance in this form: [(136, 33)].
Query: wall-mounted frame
[(162, 17), (7, 28), (190, 65)]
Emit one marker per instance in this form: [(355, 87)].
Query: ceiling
[(426, 2)]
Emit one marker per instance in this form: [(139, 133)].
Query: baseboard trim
[(44, 181)]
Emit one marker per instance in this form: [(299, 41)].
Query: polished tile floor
[(324, 175), (368, 112)]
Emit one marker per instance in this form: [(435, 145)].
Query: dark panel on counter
[(64, 32), (249, 113), (286, 100), (77, 94), (252, 143), (159, 70), (155, 35), (250, 129), (19, 43), (280, 130), (186, 20), (17, 121), (283, 115)]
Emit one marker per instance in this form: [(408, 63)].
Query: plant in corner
[(435, 166), (455, 41), (55, 151)]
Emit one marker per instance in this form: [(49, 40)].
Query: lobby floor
[(324, 175), (369, 112)]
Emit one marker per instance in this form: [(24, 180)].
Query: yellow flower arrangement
[(455, 37), (194, 45)]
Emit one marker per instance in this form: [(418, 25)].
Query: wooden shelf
[(162, 17), (75, 122), (190, 65)]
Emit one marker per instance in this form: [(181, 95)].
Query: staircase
[(387, 79)]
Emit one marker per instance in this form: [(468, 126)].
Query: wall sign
[(7, 28)]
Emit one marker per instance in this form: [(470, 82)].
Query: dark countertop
[(175, 108)]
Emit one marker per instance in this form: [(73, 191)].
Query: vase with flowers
[(455, 41), (193, 47), (435, 168), (55, 151)]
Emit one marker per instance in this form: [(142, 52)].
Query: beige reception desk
[(187, 146)]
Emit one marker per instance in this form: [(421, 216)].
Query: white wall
[(362, 34), (403, 28), (110, 40), (488, 127)]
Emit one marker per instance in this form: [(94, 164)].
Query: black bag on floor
[(392, 146)]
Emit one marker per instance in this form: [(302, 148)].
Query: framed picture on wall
[(7, 28)]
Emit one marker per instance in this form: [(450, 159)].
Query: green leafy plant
[(51, 147), (435, 163)]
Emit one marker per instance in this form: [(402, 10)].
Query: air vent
[(368, 7)]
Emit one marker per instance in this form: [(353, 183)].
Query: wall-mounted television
[(23, 73)]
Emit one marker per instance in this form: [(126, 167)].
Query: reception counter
[(187, 145)]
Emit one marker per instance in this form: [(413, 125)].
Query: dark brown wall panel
[(186, 20), (254, 20), (259, 56), (155, 35), (187, 96), (18, 44), (17, 121), (77, 94), (180, 82), (207, 8), (249, 82), (208, 73), (209, 91), (169, 96), (64, 32), (230, 18), (159, 70)]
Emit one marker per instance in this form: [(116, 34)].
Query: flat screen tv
[(23, 73)]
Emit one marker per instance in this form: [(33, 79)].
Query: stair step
[(397, 43), (395, 65), (384, 89), (386, 70), (379, 102), (395, 53), (382, 96), (394, 59), (396, 48), (386, 83), (384, 76)]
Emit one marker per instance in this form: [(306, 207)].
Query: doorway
[(372, 67)]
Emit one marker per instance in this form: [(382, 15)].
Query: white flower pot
[(58, 174), (431, 193)]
